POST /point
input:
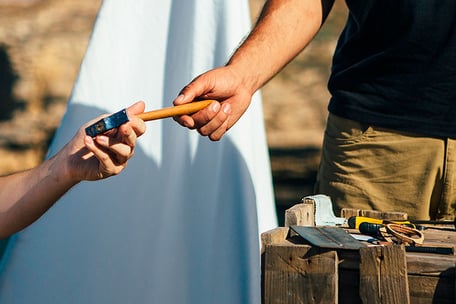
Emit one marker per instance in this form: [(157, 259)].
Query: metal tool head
[(105, 124), (328, 237)]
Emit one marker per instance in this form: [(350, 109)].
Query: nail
[(226, 108), (180, 98), (215, 106), (88, 140), (102, 139)]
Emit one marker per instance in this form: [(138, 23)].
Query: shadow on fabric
[(187, 224)]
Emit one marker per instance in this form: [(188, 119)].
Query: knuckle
[(104, 158)]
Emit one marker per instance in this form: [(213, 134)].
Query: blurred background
[(42, 43)]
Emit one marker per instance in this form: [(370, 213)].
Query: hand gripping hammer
[(117, 119)]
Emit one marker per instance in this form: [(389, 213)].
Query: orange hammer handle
[(185, 109)]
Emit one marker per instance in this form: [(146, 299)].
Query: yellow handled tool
[(188, 108), (117, 119), (355, 221)]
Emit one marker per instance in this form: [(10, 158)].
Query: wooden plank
[(349, 212), (432, 278), (429, 264), (436, 236), (384, 215), (301, 214), (431, 289), (273, 236), (383, 275), (300, 274), (398, 216)]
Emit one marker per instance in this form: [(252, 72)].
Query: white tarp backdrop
[(181, 223)]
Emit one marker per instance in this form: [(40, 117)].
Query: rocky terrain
[(42, 43)]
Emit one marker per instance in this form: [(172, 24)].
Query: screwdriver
[(370, 228)]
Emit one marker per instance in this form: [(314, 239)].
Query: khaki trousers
[(367, 167)]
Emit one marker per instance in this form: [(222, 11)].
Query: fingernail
[(180, 98), (88, 140), (215, 106), (226, 108), (102, 139)]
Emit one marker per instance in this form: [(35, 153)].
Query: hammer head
[(113, 121)]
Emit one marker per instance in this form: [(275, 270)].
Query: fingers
[(198, 87), (108, 164), (212, 121), (220, 84), (205, 115), (111, 153), (121, 143), (136, 108), (138, 125), (114, 148), (215, 125), (185, 121), (200, 118), (188, 94)]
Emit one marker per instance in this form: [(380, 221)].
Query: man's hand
[(214, 121), (282, 31)]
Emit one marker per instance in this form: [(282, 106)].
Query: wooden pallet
[(295, 272)]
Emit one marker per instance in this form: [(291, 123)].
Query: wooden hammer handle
[(188, 108)]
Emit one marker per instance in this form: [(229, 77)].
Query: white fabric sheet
[(181, 223)]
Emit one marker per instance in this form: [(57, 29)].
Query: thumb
[(136, 108)]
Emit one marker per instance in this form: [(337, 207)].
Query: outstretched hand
[(26, 195), (106, 154)]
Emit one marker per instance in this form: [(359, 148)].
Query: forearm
[(282, 31), (25, 196)]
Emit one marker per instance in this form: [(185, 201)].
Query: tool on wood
[(430, 222), (400, 234), (406, 235), (397, 233), (370, 228), (117, 119), (430, 249), (328, 237), (324, 214), (355, 221)]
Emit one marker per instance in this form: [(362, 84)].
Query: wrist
[(61, 168), (245, 76)]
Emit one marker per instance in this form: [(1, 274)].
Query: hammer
[(117, 119)]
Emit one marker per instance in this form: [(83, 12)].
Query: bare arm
[(284, 29), (26, 195)]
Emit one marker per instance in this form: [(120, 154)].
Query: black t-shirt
[(395, 66)]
